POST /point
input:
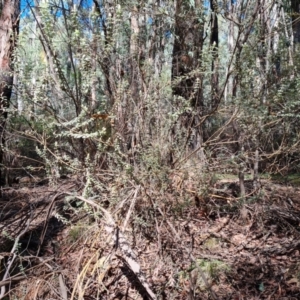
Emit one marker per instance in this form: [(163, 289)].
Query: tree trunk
[(9, 26), (295, 7), (186, 64), (214, 44), (230, 45)]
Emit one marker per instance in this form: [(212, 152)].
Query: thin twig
[(12, 259), (132, 204)]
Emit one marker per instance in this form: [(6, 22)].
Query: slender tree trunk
[(9, 26), (295, 7), (275, 42), (214, 43), (262, 59), (135, 79), (230, 44), (294, 37)]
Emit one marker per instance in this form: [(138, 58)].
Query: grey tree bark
[(9, 28)]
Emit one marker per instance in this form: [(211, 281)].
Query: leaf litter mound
[(175, 244)]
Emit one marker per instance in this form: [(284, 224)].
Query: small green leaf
[(261, 287)]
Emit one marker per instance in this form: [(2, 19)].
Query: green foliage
[(212, 267), (76, 232), (71, 68)]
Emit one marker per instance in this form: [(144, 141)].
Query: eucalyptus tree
[(187, 62), (214, 43), (9, 28)]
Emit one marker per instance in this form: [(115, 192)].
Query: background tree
[(186, 66)]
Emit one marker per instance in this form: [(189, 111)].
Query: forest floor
[(216, 246)]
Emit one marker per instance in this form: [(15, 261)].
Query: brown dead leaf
[(238, 239), (294, 280)]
